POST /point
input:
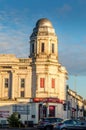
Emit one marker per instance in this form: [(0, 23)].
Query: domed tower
[(48, 78), (43, 41)]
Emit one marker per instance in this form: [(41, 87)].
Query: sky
[(68, 17)]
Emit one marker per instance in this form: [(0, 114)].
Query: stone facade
[(39, 76), (43, 63), (75, 105), (12, 70)]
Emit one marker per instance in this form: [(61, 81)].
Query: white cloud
[(64, 10), (14, 33), (14, 41), (72, 56), (14, 38)]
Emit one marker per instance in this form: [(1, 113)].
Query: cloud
[(14, 33), (14, 42), (72, 56), (64, 10), (14, 38)]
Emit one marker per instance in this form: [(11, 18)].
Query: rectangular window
[(22, 93), (6, 83), (22, 83), (42, 82), (21, 109), (52, 48), (53, 83), (42, 47), (32, 47)]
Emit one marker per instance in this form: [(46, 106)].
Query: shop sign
[(4, 114), (53, 100)]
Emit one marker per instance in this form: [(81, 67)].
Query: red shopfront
[(45, 107)]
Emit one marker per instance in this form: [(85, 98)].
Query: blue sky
[(18, 18)]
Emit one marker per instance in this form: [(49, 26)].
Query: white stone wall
[(10, 68), (39, 65)]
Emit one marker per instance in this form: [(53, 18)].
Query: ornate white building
[(39, 79)]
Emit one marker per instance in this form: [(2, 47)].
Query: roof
[(43, 22)]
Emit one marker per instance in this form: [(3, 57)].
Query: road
[(33, 128), (29, 128)]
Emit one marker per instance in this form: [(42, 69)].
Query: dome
[(43, 27), (43, 22)]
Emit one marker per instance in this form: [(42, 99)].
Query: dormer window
[(52, 48), (42, 47)]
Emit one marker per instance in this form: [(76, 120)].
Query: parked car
[(82, 122), (47, 123), (70, 124)]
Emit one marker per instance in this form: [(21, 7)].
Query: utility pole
[(75, 85), (75, 89)]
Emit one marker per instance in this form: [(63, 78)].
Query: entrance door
[(52, 111), (40, 111), (44, 111)]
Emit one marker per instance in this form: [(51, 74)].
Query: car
[(48, 122), (83, 122), (69, 124)]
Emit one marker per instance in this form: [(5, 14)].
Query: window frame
[(32, 47), (42, 47), (22, 94), (6, 83), (22, 83), (42, 82), (53, 47), (53, 82)]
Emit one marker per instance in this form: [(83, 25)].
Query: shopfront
[(47, 107)]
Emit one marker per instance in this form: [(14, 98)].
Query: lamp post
[(76, 115), (71, 108)]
